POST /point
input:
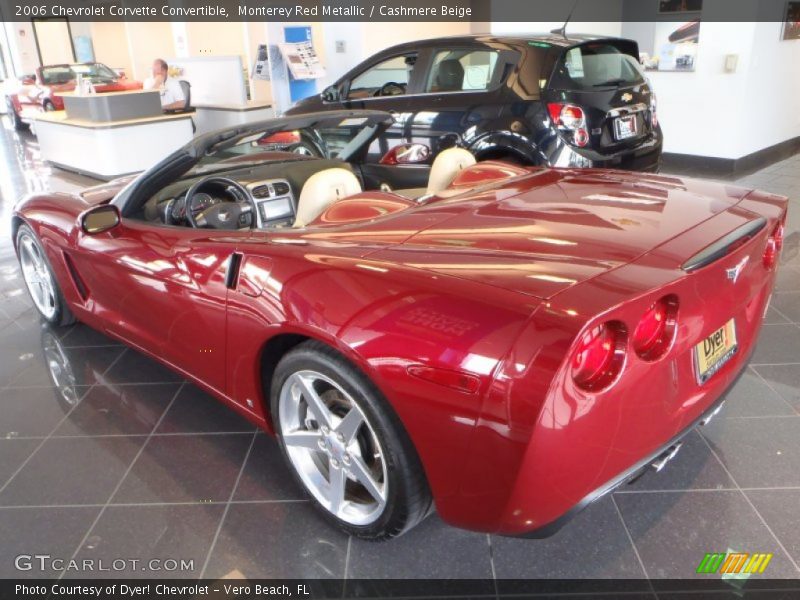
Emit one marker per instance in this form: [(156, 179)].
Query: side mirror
[(330, 94), (406, 154), (100, 219), (28, 79)]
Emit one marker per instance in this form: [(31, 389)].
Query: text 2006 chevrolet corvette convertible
[(509, 343)]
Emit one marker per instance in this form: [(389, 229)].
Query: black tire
[(408, 497), (62, 316), (12, 114)]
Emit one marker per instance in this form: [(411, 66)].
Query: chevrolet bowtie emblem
[(734, 272), (626, 97)]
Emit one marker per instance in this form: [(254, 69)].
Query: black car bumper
[(646, 156)]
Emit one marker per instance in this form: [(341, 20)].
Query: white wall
[(378, 36), (710, 112), (362, 40), (110, 42), (338, 63), (702, 112), (22, 46), (146, 42), (770, 107)]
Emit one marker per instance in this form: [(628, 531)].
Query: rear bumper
[(631, 473), (644, 157)]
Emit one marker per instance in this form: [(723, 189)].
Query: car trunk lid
[(558, 227)]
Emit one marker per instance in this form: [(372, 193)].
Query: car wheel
[(40, 280), (304, 149), (12, 113), (346, 446)]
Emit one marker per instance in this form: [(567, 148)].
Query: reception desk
[(109, 149), (113, 106)]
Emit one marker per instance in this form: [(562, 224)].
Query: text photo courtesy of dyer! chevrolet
[(378, 299)]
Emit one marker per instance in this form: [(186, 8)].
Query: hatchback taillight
[(653, 111), (570, 118), (656, 329), (599, 356)]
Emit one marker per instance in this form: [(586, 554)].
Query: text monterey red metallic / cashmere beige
[(510, 347)]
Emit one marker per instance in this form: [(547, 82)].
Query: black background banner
[(296, 589), (477, 11)]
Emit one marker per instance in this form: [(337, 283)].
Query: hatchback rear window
[(596, 65)]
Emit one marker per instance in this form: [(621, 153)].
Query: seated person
[(172, 96)]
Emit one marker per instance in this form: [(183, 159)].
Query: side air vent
[(77, 280), (725, 245)]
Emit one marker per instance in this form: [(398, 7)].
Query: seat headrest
[(323, 189), (449, 75), (446, 166)]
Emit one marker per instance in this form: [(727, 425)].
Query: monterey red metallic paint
[(498, 283)]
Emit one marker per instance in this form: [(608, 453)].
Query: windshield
[(596, 65), (60, 74), (344, 135), (327, 138)]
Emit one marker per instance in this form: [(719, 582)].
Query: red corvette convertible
[(510, 343), (40, 91)]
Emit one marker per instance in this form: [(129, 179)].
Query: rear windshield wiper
[(611, 82)]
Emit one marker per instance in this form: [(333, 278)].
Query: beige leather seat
[(323, 189), (446, 166)]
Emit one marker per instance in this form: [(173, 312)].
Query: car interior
[(282, 189)]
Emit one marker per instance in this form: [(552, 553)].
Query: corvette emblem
[(734, 272), (626, 97)]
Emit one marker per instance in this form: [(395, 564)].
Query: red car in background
[(511, 343), (41, 91)]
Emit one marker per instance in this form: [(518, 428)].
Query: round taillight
[(774, 245), (771, 253), (599, 356), (656, 329), (778, 235)]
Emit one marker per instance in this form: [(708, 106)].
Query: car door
[(163, 289), (459, 87), (386, 85)]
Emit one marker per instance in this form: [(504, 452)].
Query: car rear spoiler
[(725, 245)]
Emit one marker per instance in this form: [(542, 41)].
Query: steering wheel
[(384, 90), (238, 212)]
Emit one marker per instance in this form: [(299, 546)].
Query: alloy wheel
[(37, 277), (333, 447)]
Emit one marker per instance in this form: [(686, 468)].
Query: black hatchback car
[(572, 101)]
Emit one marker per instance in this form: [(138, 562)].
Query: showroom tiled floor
[(123, 459)]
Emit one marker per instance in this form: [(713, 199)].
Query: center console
[(275, 203)]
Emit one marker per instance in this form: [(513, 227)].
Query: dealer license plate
[(625, 127), (715, 351)]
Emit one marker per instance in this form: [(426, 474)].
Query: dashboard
[(275, 203), (266, 195)]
